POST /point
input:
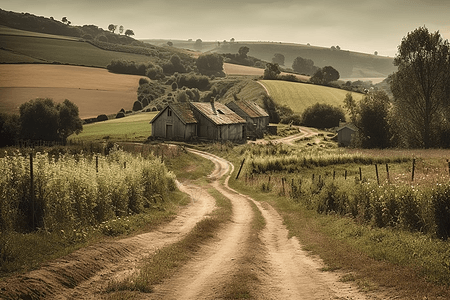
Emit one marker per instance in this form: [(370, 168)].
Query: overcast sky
[(356, 25)]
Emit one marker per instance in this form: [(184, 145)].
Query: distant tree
[(169, 43), (209, 63), (129, 32), (375, 53), (121, 29), (64, 20), (421, 87), (232, 40), (333, 48), (325, 75), (338, 48), (112, 27), (271, 71), (304, 66), (198, 44), (243, 51), (278, 58), (43, 119), (322, 115)]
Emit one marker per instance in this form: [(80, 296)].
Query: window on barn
[(169, 112)]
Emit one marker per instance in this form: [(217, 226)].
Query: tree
[(243, 51), (373, 109), (9, 129), (278, 58), (421, 87), (129, 32), (198, 44), (43, 119), (232, 40), (121, 29), (304, 66), (271, 71), (64, 20), (112, 27), (325, 75), (209, 63), (322, 115), (375, 53), (169, 43)]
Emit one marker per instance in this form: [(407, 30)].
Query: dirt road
[(283, 270)]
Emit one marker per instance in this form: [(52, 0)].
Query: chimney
[(212, 106)]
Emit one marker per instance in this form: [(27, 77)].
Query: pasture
[(95, 91), (135, 128), (299, 96)]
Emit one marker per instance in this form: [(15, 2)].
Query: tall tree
[(121, 29), (421, 86), (278, 58), (112, 27)]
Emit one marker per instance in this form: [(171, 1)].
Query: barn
[(257, 118), (345, 134), (203, 120), (175, 122)]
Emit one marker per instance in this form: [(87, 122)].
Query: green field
[(132, 128), (299, 96), (26, 49)]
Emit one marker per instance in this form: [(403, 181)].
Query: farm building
[(256, 117), (345, 133), (204, 120)]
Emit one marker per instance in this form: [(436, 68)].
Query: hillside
[(349, 64)]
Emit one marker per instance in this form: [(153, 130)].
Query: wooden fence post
[(32, 188), (334, 174), (376, 171), (413, 169), (448, 163), (282, 183), (387, 172), (360, 174), (96, 163), (345, 174), (239, 172)]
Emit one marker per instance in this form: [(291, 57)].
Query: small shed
[(175, 122), (256, 117), (345, 133), (218, 122)]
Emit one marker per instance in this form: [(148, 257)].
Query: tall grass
[(70, 193)]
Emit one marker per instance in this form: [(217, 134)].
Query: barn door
[(169, 132)]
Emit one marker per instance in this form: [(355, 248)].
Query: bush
[(322, 116), (120, 115), (143, 81), (137, 106), (101, 118), (191, 80)]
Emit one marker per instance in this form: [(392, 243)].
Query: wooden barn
[(257, 118), (218, 122), (345, 134), (203, 120), (175, 122)]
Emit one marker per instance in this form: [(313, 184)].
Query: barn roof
[(347, 125), (252, 109), (182, 110), (218, 113)]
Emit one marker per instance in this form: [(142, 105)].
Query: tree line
[(40, 120)]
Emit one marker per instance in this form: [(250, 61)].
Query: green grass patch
[(299, 96), (64, 51), (189, 166), (134, 128)]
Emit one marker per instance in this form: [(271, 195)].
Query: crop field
[(95, 91), (299, 96), (131, 128)]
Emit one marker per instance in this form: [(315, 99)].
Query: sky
[(355, 25)]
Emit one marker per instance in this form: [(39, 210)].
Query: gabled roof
[(252, 109), (347, 125), (182, 110), (218, 113)]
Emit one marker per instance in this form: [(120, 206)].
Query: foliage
[(304, 66), (43, 119), (210, 64), (127, 67), (9, 129), (278, 58), (129, 32), (325, 75), (70, 194), (323, 116), (137, 105), (271, 71), (192, 80), (243, 51), (421, 88)]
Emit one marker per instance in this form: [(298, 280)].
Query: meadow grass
[(63, 51), (134, 128), (299, 96)]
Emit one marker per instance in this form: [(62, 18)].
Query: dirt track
[(283, 270)]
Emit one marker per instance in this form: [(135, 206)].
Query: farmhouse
[(345, 133), (256, 117), (203, 120)]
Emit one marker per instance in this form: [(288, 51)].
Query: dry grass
[(95, 91)]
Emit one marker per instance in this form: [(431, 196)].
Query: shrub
[(145, 102), (137, 106), (322, 116), (120, 115), (191, 80), (88, 37), (143, 81), (102, 117)]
